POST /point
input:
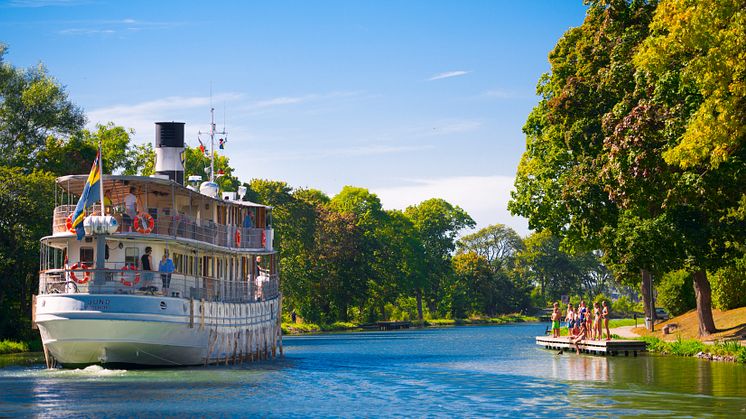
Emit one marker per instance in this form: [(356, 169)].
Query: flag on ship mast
[(91, 194)]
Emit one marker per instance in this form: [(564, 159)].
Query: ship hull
[(90, 329)]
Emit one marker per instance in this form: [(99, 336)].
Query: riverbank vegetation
[(290, 328)]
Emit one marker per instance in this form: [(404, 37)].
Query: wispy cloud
[(448, 74), (109, 27), (45, 3), (141, 116), (281, 101), (317, 153), (485, 198), (498, 93), (296, 100)]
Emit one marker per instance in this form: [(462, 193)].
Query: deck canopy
[(118, 186)]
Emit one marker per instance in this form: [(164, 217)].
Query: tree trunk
[(703, 295), (645, 290), (419, 304)]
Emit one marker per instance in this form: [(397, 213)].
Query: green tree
[(437, 224), (498, 243), (33, 107), (197, 163), (27, 205), (561, 184), (675, 292)]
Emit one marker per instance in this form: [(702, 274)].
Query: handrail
[(182, 226), (118, 281)]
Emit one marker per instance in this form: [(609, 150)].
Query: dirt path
[(625, 332)]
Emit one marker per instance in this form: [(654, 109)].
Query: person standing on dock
[(556, 321), (570, 319), (605, 317)]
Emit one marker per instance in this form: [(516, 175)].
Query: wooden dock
[(599, 347), (386, 325)]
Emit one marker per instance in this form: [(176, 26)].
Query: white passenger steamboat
[(113, 297)]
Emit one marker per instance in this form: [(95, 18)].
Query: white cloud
[(498, 93), (448, 74), (484, 198), (280, 101), (142, 116)]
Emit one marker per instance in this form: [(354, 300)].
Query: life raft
[(144, 223), (86, 275), (69, 223), (125, 276)]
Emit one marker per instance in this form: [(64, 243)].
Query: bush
[(10, 347), (623, 307), (729, 286), (676, 292)]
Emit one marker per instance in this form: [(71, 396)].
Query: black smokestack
[(169, 149)]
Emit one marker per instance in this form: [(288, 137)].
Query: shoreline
[(297, 329)]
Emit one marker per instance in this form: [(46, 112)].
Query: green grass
[(691, 347), (623, 322), (10, 347)]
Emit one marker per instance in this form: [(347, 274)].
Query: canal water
[(478, 371)]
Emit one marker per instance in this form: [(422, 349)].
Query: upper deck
[(167, 209)]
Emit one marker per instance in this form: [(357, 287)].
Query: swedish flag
[(91, 194)]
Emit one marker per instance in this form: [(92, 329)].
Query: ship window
[(86, 255), (178, 260), (131, 256)]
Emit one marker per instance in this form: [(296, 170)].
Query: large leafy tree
[(33, 106), (437, 224), (497, 243), (27, 216), (560, 180)]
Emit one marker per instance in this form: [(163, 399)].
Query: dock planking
[(600, 347)]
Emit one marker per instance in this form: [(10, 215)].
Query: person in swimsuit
[(581, 336), (556, 321), (596, 331), (570, 319), (605, 317)]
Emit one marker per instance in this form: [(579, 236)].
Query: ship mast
[(213, 132)]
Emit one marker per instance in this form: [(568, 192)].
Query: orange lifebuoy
[(237, 238), (69, 223), (144, 223), (124, 280), (264, 238), (86, 275)]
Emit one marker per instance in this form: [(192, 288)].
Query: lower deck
[(611, 347)]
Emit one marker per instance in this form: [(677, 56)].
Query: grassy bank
[(300, 328), (719, 351)]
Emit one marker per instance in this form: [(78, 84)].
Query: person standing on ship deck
[(147, 267), (166, 267), (130, 208)]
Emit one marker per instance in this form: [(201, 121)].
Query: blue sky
[(410, 99)]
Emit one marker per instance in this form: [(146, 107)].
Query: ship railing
[(181, 226), (151, 283)]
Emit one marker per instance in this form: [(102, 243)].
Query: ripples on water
[(463, 372)]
